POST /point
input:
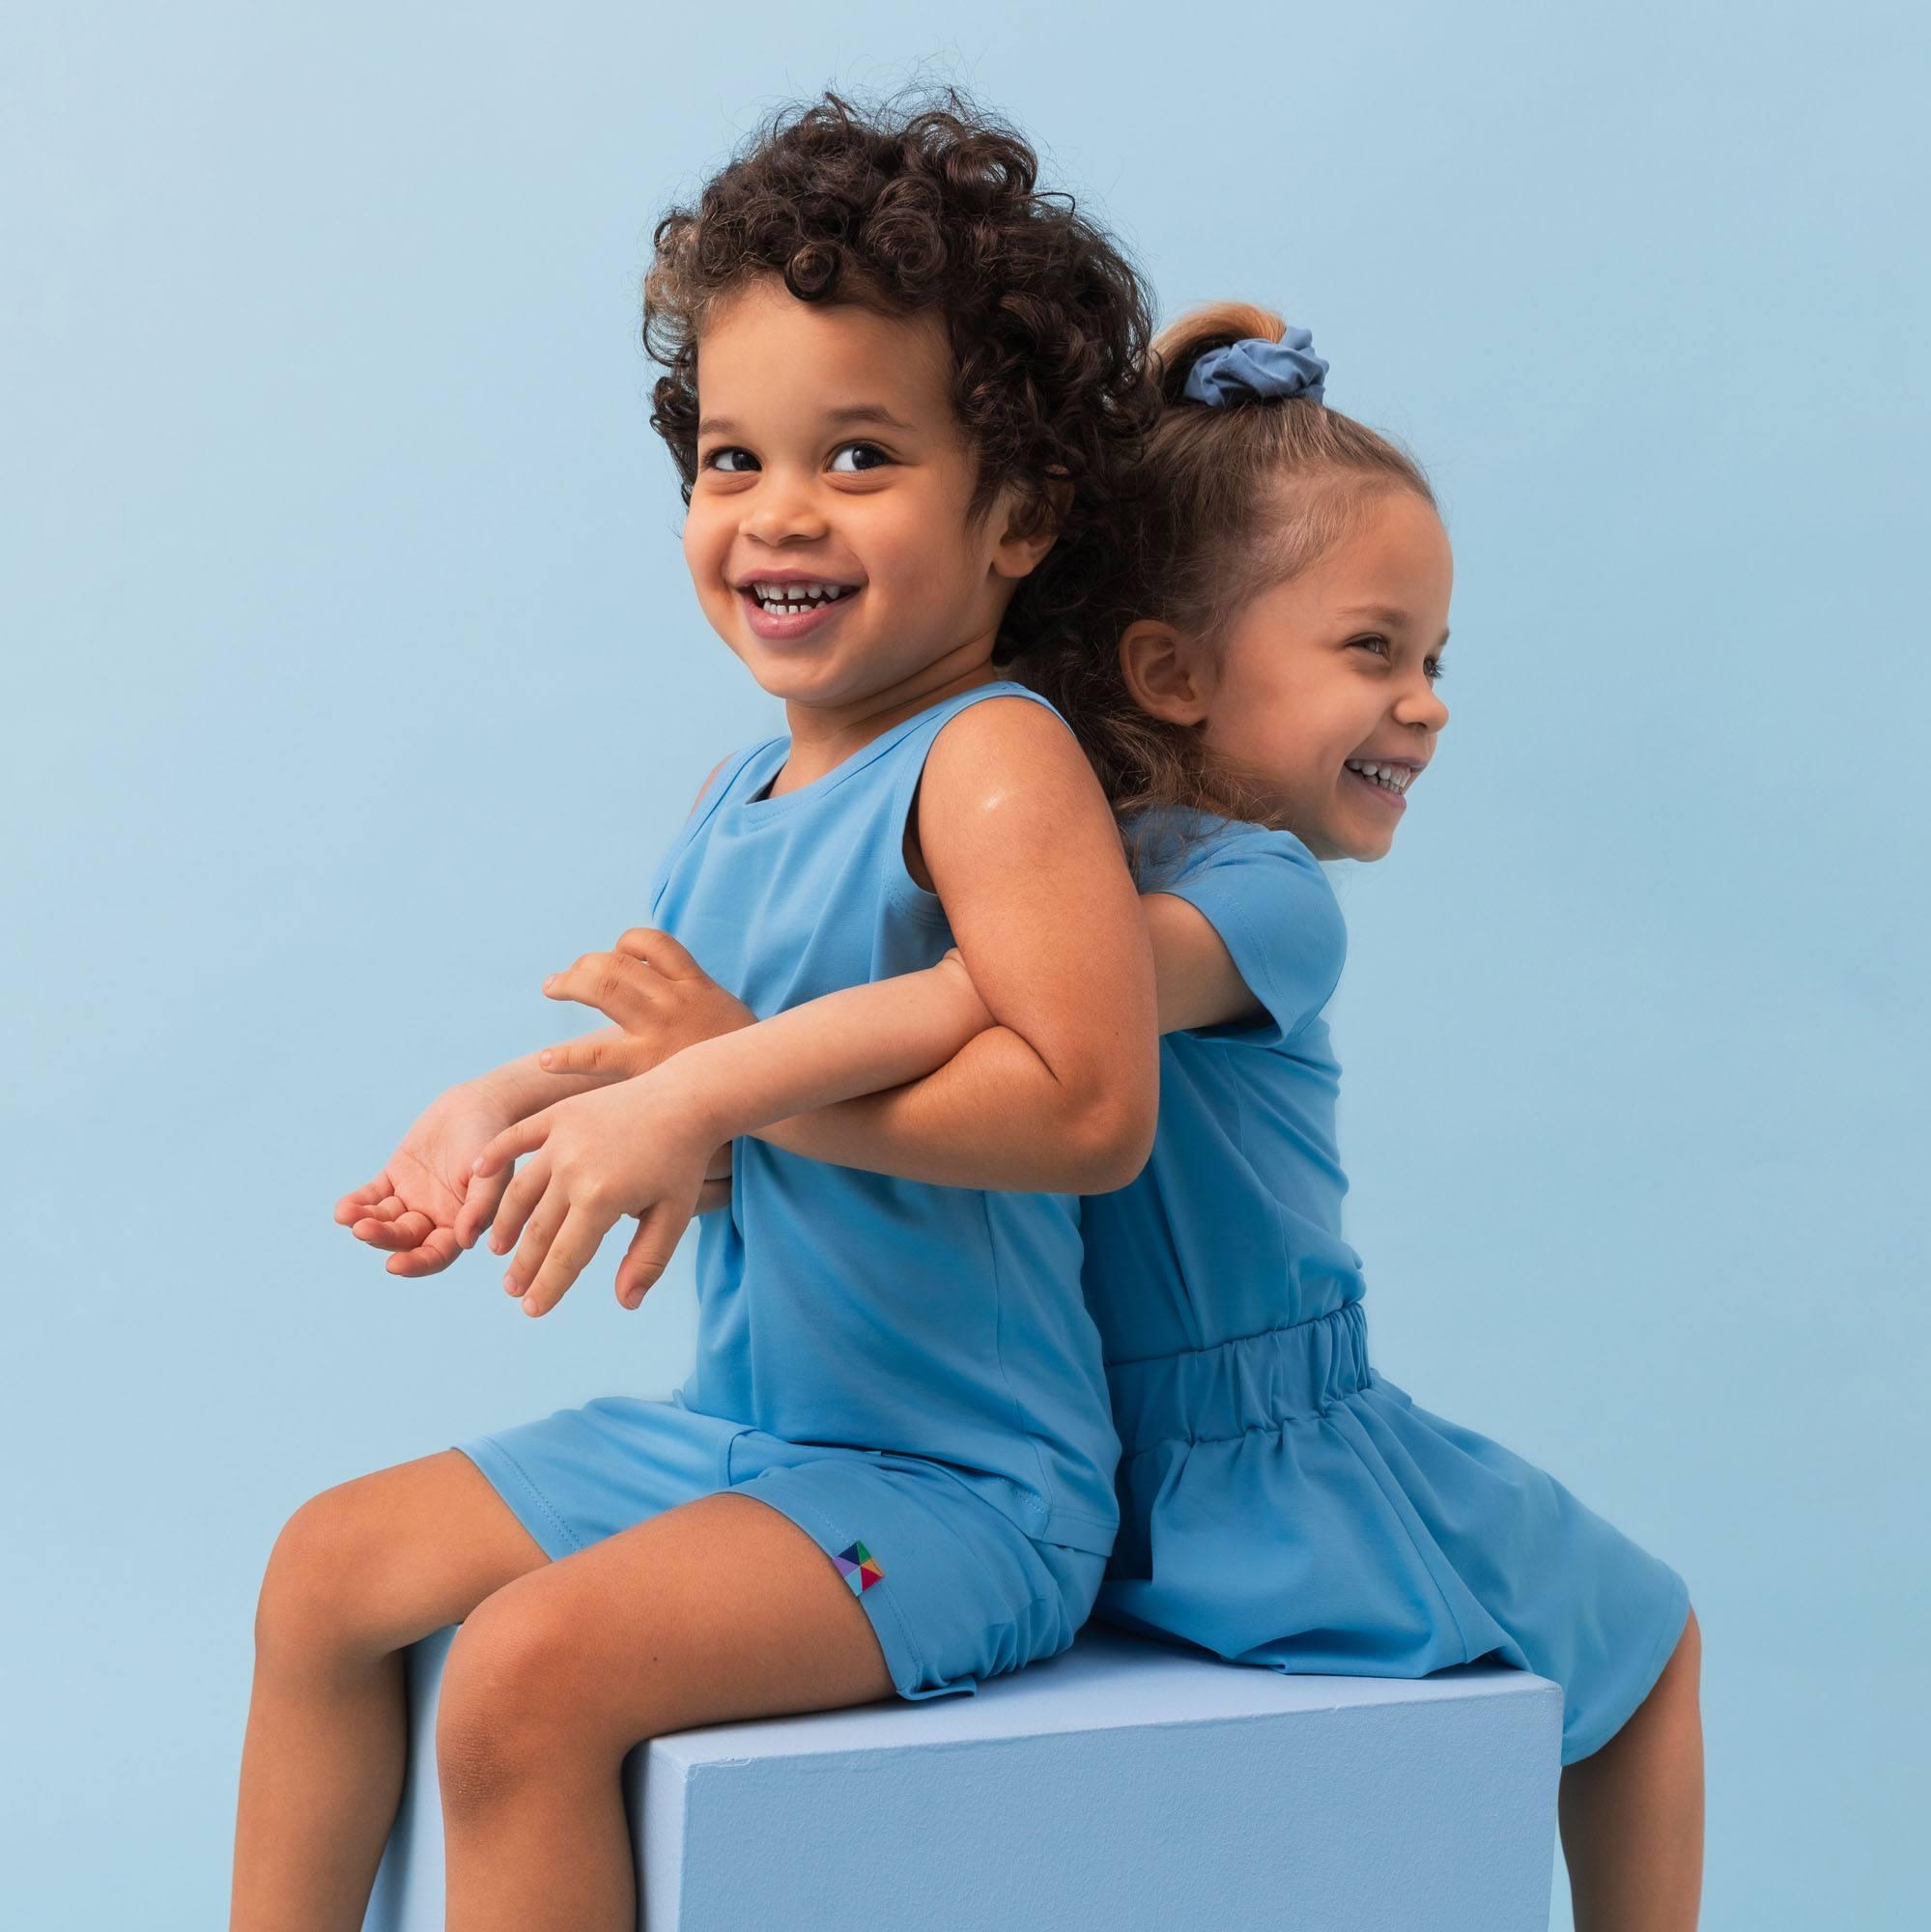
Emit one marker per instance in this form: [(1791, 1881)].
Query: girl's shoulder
[(1169, 845)]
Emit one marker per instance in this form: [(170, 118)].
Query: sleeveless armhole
[(716, 791), (904, 891)]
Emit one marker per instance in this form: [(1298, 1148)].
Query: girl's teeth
[(1390, 778)]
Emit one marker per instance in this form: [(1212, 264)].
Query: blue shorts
[(1284, 1504), (954, 1592)]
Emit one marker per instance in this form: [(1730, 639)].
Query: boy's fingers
[(435, 1255), (588, 1055), (570, 1254), (406, 1231), (612, 982), (659, 952), (658, 1230), (713, 1195), (353, 1208)]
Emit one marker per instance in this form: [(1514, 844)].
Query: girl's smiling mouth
[(1387, 778)]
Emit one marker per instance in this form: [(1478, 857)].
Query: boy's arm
[(1057, 1093)]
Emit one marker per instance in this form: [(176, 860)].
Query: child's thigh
[(717, 1612), (374, 1564)]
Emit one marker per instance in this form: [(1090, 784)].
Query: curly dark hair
[(931, 206)]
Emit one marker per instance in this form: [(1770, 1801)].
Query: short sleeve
[(1266, 896)]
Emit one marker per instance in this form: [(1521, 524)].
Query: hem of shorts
[(528, 1503), (904, 1659), (1674, 1624)]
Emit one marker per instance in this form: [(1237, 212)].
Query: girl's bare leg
[(717, 1611), (358, 1573), (1632, 1814)]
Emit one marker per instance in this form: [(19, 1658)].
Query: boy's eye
[(1435, 671), (873, 457), (730, 460), (1372, 644)]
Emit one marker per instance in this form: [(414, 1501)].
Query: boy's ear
[(1160, 672), (1032, 527)]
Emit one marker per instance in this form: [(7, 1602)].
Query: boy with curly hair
[(904, 392)]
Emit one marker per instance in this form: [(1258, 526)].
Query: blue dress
[(907, 1372), (1282, 1503)]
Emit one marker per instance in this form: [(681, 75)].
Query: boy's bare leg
[(717, 1611), (358, 1573)]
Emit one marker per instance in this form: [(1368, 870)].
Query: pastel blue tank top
[(1230, 1234), (853, 1309)]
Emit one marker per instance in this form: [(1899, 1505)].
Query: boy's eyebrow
[(842, 417)]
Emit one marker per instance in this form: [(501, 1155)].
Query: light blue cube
[(1124, 1785)]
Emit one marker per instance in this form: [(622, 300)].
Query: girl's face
[(827, 534), (1334, 670)]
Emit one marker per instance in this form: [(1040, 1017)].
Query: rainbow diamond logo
[(859, 1568)]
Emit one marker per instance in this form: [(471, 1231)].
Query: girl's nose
[(1421, 707), (783, 510)]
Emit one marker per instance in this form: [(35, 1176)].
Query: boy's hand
[(652, 988), (426, 1205), (639, 1147)]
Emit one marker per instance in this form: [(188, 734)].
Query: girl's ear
[(1158, 667), (1030, 527)]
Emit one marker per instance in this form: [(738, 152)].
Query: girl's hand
[(639, 1147), (652, 988), (427, 1205)]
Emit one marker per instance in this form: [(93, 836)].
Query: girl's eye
[(1371, 643), (1436, 669), (855, 450), (732, 461)]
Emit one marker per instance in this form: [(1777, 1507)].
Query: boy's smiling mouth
[(789, 604)]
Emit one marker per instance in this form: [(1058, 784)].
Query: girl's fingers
[(524, 1137), (570, 1254), (658, 1230), (437, 1250), (545, 1219), (480, 1202), (519, 1196), (406, 1231), (713, 1195), (719, 1167)]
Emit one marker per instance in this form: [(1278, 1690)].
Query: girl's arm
[(908, 1130)]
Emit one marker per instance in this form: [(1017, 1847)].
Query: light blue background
[(352, 680)]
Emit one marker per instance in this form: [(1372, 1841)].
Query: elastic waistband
[(1255, 1381)]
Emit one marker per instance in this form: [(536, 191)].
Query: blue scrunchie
[(1257, 370)]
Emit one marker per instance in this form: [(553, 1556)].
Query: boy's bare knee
[(517, 1699), (317, 1599)]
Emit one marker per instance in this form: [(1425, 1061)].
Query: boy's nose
[(782, 512)]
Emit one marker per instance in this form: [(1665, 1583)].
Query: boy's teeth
[(799, 596)]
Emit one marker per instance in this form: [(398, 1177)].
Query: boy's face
[(1331, 670), (829, 459)]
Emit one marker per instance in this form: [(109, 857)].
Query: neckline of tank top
[(757, 805)]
